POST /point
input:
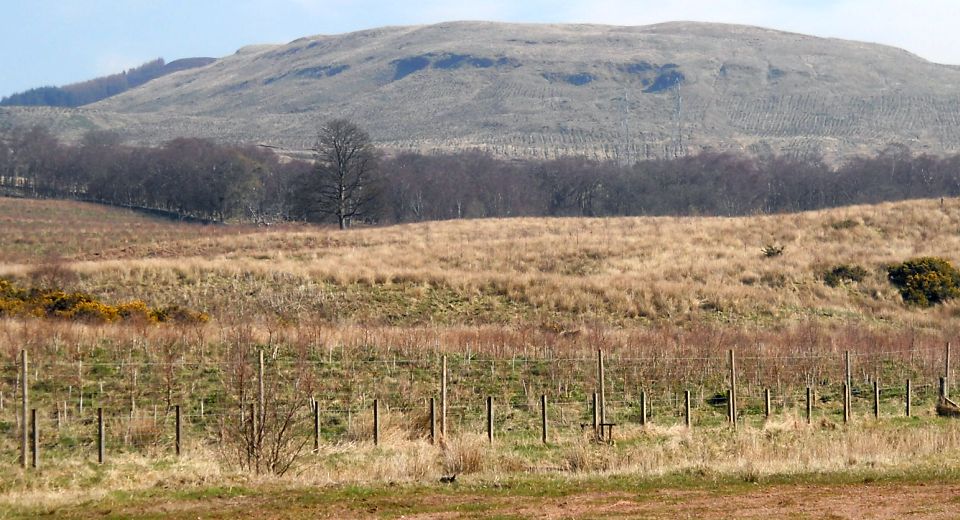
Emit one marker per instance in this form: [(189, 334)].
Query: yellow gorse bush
[(56, 303)]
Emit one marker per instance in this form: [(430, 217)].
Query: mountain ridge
[(547, 90)]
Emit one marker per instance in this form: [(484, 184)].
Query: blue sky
[(53, 42)]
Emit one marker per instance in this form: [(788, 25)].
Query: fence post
[(490, 419), (766, 403), (846, 403), (943, 387), (848, 396), (101, 440), (908, 397), (643, 408), (543, 417), (376, 422), (262, 396), (733, 389), (25, 407), (443, 399), (686, 407), (254, 455), (602, 387), (316, 426), (178, 422), (809, 405), (433, 420), (946, 371), (876, 399), (36, 437), (596, 416)]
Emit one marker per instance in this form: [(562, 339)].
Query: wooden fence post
[(25, 407), (766, 403), (36, 437), (101, 438), (596, 416), (733, 389), (602, 384), (908, 397), (254, 455), (443, 399), (490, 419), (433, 420), (179, 432), (543, 417), (846, 403), (809, 405), (847, 392), (643, 408), (376, 422), (316, 426), (686, 407), (946, 371), (876, 399), (261, 396)]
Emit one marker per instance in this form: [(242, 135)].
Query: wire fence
[(245, 397)]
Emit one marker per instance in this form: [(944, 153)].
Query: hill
[(547, 90), (91, 91), (348, 337), (546, 272)]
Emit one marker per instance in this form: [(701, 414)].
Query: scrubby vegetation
[(519, 307), (55, 303), (844, 273), (926, 281)]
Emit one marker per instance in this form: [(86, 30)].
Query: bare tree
[(344, 174)]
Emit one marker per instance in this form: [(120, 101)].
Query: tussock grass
[(617, 271), (520, 307)]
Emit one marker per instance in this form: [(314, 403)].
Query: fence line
[(543, 394)]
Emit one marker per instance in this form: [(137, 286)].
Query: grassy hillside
[(542, 91), (619, 271), (518, 308)]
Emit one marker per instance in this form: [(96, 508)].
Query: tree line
[(91, 91), (350, 181)]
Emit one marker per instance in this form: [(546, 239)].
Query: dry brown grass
[(521, 307), (563, 271), (778, 450)]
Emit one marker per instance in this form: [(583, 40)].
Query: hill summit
[(542, 91)]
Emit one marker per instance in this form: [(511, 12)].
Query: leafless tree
[(344, 174)]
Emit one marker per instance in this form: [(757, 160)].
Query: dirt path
[(767, 502), (788, 501)]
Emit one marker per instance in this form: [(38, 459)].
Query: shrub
[(93, 311), (178, 314), (925, 281), (844, 273), (135, 310), (844, 224), (772, 250), (55, 303)]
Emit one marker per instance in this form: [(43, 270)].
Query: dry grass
[(777, 450), (564, 271), (520, 306)]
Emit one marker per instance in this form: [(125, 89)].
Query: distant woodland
[(86, 92), (200, 179)]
